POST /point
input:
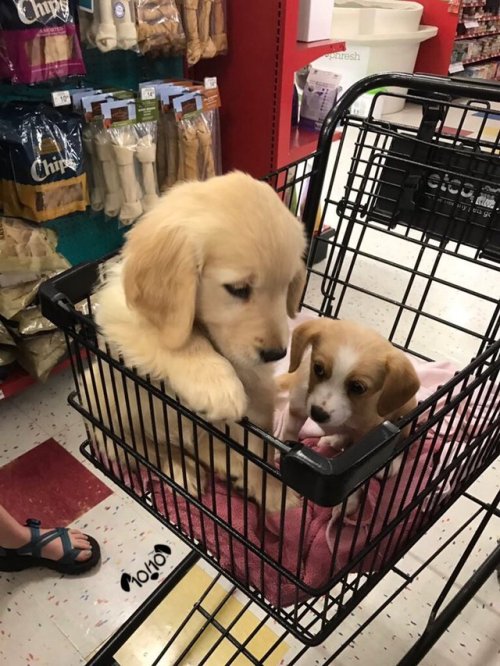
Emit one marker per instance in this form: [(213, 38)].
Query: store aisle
[(50, 620)]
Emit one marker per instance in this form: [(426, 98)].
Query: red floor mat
[(50, 484)]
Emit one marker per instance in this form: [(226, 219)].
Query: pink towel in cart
[(313, 565)]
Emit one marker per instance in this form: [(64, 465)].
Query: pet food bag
[(42, 171), (39, 40)]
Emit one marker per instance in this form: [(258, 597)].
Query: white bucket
[(363, 17), (381, 36)]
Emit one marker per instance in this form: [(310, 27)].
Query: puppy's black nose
[(318, 414), (270, 355)]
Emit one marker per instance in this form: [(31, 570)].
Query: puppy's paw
[(187, 478), (215, 393), (352, 505), (274, 496), (394, 468), (335, 442)]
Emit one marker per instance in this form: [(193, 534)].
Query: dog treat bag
[(41, 162), (39, 40), (159, 28)]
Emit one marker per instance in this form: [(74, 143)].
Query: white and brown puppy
[(348, 379), (200, 300)]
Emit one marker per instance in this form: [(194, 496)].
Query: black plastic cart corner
[(403, 210)]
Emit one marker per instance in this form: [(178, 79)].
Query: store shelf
[(303, 142), (482, 34), (483, 18), (305, 52), (19, 380), (474, 60), (479, 3)]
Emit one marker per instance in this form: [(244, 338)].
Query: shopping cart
[(405, 213)]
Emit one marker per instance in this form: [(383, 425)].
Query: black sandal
[(28, 556)]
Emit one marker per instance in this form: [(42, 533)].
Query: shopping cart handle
[(328, 481)]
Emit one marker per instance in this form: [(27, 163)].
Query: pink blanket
[(313, 565), (328, 545)]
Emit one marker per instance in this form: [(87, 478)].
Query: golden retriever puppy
[(199, 300), (350, 381)]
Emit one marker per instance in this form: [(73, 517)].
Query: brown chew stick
[(191, 27), (208, 49), (219, 35), (189, 147), (205, 142)]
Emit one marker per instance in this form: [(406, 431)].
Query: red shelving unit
[(434, 55), (256, 83)]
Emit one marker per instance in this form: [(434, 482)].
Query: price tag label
[(148, 92), (455, 67), (471, 23), (210, 82), (61, 98)]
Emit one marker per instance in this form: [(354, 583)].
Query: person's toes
[(84, 554)]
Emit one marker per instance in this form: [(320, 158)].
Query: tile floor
[(49, 620)]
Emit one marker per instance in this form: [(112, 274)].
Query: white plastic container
[(364, 17), (315, 17), (381, 36)]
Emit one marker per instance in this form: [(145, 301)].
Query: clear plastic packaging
[(112, 27), (205, 28), (27, 253), (126, 146), (159, 28)]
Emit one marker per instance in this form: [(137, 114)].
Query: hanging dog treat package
[(205, 27), (42, 173), (188, 146), (159, 28), (110, 26), (196, 151), (130, 134), (39, 40)]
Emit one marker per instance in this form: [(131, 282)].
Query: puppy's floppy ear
[(304, 335), (160, 277), (401, 383), (295, 291)]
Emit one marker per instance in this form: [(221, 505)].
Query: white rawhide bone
[(126, 30), (105, 154), (146, 154), (96, 176), (124, 152), (105, 30)]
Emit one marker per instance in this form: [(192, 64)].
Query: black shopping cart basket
[(409, 242)]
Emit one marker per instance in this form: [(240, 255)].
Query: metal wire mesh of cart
[(403, 211)]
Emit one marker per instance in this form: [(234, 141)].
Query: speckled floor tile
[(28, 637), (89, 608), (18, 432)]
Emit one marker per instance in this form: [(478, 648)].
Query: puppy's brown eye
[(357, 388), (319, 370), (241, 291)]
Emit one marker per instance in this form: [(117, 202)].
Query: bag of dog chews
[(42, 172), (39, 40)]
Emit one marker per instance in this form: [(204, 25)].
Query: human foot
[(54, 549), (65, 550)]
